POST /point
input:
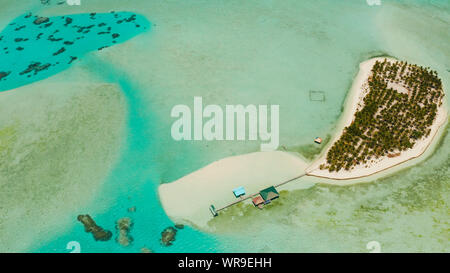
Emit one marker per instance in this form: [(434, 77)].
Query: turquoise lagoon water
[(259, 52), (89, 32), (56, 43), (133, 184)]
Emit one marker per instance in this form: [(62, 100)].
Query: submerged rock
[(36, 67), (41, 20), (61, 50), (72, 59), (146, 250), (90, 226), (68, 21), (52, 38), (132, 209), (4, 75), (19, 28), (168, 236), (179, 226), (123, 226)]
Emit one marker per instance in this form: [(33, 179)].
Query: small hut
[(269, 194), (318, 140), (213, 211), (258, 201), (238, 192)]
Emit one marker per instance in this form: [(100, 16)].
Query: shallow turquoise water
[(132, 183), (96, 32), (287, 51), (56, 43)]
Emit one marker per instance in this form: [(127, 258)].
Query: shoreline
[(213, 184), (187, 199), (355, 96)]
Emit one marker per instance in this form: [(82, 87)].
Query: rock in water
[(168, 236), (90, 226), (123, 227), (68, 21), (36, 67), (4, 75), (179, 226), (146, 250), (41, 20)]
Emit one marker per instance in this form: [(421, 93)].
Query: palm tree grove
[(399, 107)]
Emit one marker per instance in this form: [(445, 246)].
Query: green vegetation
[(414, 201), (399, 108)]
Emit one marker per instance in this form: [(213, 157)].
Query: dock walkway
[(252, 195)]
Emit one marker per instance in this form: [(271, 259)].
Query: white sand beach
[(353, 102), (188, 198)]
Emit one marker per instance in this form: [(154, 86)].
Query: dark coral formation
[(146, 250), (61, 50), (72, 59), (52, 38), (4, 74), (36, 67), (62, 40), (123, 227), (90, 226), (168, 236), (19, 28), (41, 20), (68, 21)]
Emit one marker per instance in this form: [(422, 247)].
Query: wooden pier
[(241, 199)]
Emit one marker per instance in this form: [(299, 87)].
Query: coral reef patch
[(90, 226)]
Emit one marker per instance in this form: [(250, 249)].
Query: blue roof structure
[(239, 191)]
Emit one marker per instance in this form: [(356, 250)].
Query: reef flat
[(48, 169)]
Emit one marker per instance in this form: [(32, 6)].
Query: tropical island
[(392, 114), (396, 109)]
